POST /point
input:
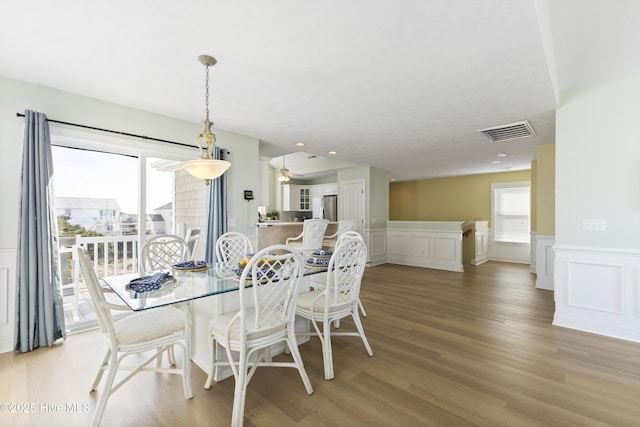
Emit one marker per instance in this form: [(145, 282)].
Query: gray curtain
[(39, 307), (216, 220)]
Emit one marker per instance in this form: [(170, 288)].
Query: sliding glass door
[(101, 207)]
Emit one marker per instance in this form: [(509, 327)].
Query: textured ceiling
[(398, 85)]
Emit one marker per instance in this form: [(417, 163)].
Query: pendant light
[(206, 167)]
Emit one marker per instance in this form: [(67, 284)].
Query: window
[(97, 197), (511, 206)]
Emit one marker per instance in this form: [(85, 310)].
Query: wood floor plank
[(450, 349)]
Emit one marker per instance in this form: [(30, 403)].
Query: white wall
[(598, 177), (19, 96), (598, 170)]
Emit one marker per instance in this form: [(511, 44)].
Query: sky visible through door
[(91, 174)]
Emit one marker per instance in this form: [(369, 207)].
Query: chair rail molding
[(596, 290), (7, 298)]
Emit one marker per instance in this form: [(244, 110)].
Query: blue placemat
[(189, 265), (149, 283)]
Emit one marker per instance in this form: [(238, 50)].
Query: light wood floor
[(451, 349)]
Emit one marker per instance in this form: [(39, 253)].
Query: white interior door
[(352, 202)]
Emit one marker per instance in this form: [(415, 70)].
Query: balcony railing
[(110, 255)]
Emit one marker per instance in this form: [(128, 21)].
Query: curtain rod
[(114, 131)]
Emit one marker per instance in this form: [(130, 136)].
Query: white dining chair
[(319, 280), (343, 226), (267, 294), (231, 248), (311, 237), (155, 331), (162, 251), (339, 298)]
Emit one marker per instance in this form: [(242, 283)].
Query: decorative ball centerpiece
[(318, 260), (264, 268)]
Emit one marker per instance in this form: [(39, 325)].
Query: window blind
[(511, 214)]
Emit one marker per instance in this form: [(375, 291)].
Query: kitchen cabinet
[(317, 191), (290, 197), (296, 197), (304, 198), (330, 189)]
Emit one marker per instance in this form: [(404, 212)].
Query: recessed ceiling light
[(501, 154), (299, 144), (495, 162), (332, 152)]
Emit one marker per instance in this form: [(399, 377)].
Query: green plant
[(273, 214)]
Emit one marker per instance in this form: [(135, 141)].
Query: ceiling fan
[(285, 174)]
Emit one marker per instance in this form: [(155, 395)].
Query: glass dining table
[(185, 286), (203, 295)]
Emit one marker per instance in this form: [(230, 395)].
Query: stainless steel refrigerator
[(330, 208)]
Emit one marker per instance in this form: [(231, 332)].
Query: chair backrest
[(271, 279), (313, 233), (232, 247), (348, 234), (191, 237), (162, 251), (97, 295), (345, 270), (347, 225)]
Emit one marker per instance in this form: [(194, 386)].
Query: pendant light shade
[(284, 174), (206, 167)]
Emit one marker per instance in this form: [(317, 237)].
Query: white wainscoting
[(597, 290), (7, 299), (481, 247), (376, 246), (545, 261), (425, 248)]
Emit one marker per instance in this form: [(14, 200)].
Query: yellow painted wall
[(460, 198), (545, 207), (534, 196)]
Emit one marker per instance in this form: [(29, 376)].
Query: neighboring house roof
[(86, 203), (165, 207), (125, 217), (156, 217)]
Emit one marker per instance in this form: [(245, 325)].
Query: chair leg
[(106, 391), (103, 366), (362, 310), (186, 372), (358, 323), (240, 393), (171, 356), (214, 359), (295, 352), (327, 354)]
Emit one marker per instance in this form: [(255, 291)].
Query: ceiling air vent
[(507, 132)]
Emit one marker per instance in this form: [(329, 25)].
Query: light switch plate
[(594, 224)]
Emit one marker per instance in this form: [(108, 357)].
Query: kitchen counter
[(277, 232)]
